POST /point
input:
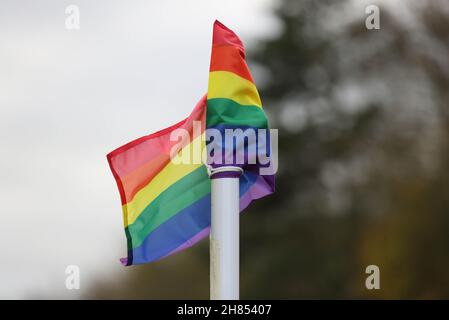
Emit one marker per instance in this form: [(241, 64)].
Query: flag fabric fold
[(167, 206)]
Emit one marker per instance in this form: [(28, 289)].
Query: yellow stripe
[(224, 84), (164, 179)]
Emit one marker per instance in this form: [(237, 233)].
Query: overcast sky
[(67, 98)]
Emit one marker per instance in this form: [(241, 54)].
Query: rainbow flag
[(166, 205), (233, 102)]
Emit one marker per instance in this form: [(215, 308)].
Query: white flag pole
[(224, 236)]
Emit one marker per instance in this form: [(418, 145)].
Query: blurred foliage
[(363, 124)]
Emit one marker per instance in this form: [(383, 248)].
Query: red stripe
[(224, 36), (136, 163), (229, 58), (140, 177), (132, 155), (118, 181)]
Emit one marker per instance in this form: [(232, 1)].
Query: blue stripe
[(181, 227), (246, 181), (174, 232), (238, 151), (222, 126)]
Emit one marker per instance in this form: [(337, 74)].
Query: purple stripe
[(258, 190), (199, 236), (226, 174)]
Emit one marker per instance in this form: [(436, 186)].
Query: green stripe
[(178, 196), (227, 111)]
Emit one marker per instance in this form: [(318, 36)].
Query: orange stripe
[(228, 58), (131, 156), (140, 177)]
